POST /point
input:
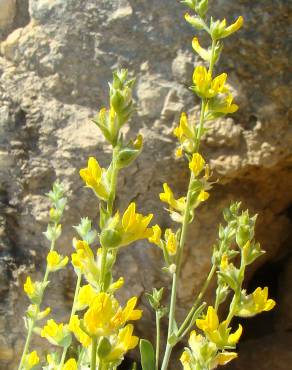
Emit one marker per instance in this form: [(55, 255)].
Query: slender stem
[(27, 342), (33, 321), (63, 358), (80, 358), (189, 317), (113, 181), (212, 59), (103, 267), (157, 340), (93, 353), (110, 205), (73, 310)]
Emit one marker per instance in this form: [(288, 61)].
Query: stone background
[(56, 58)]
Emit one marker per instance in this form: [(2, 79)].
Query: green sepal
[(103, 216), (107, 280), (110, 238), (190, 3), (66, 341), (130, 152), (105, 131), (194, 21), (202, 8), (147, 355), (104, 348)]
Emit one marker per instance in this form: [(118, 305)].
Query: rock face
[(56, 59)]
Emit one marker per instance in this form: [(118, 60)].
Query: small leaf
[(147, 355)]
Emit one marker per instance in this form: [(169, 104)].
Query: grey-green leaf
[(147, 355)]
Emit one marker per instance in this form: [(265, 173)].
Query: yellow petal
[(234, 337), (196, 164), (224, 357), (204, 54)]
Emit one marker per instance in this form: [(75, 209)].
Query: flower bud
[(110, 238)]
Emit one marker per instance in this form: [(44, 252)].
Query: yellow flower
[(71, 364), (54, 333), (203, 196), (204, 54), (184, 130), (135, 225), (155, 238), (129, 313), (104, 315), (205, 86), (171, 242), (168, 197), (232, 28), (33, 312), (97, 319), (116, 285), (224, 262), (262, 303), (94, 177), (178, 152), (185, 359), (217, 332), (186, 136), (56, 261), (85, 296), (197, 164), (210, 322), (223, 358), (222, 104), (123, 231), (255, 303), (84, 261), (123, 343), (219, 30), (81, 336), (29, 287), (31, 360)]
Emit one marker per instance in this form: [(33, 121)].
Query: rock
[(284, 312), (151, 93), (272, 352), (182, 67), (7, 13)]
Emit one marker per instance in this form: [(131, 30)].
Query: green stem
[(189, 318), (157, 340), (93, 353), (27, 342), (33, 321), (212, 59), (73, 310), (114, 177), (103, 267), (110, 206)]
